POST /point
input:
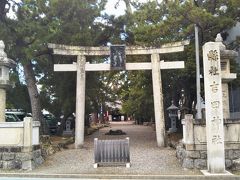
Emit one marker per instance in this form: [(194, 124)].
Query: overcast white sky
[(110, 9), (120, 9)]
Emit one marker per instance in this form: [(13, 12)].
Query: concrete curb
[(118, 176)]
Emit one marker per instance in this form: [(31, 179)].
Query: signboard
[(117, 57)]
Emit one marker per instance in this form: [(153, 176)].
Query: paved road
[(134, 177)]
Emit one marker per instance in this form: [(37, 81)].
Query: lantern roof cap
[(4, 60), (172, 107)]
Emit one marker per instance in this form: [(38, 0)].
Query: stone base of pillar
[(207, 173), (68, 133), (79, 146), (172, 130)]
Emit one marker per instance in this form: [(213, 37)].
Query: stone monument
[(183, 105), (173, 115), (68, 131)]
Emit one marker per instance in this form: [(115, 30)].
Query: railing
[(111, 152)]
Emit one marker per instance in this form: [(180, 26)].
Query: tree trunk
[(128, 6), (3, 9), (34, 97)]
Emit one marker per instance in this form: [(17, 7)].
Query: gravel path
[(146, 158)]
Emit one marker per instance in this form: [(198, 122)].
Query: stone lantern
[(5, 65), (173, 114), (225, 57)]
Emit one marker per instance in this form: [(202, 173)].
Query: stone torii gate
[(82, 66)]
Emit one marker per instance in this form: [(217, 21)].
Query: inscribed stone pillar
[(214, 108), (80, 102), (2, 104), (188, 129), (158, 100), (27, 139)]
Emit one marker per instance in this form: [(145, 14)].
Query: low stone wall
[(19, 145), (17, 158), (198, 158), (22, 133), (192, 151)]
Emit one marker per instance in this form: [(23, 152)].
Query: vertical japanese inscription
[(214, 110), (213, 58)]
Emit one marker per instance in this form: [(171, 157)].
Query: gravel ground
[(146, 157)]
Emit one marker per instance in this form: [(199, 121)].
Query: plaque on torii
[(118, 62), (117, 57)]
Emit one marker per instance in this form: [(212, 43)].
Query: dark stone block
[(203, 154), (181, 153), (228, 163), (15, 164), (36, 147), (15, 149), (8, 156), (37, 153), (200, 163), (188, 163), (23, 156), (236, 164), (38, 161), (193, 154), (233, 154), (226, 154), (11, 149), (4, 149)]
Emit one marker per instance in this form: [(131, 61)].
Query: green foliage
[(137, 95), (18, 98), (157, 23), (74, 22), (59, 89)]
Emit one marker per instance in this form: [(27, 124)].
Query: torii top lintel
[(105, 51)]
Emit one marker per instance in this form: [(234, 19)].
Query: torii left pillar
[(158, 100), (80, 101)]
